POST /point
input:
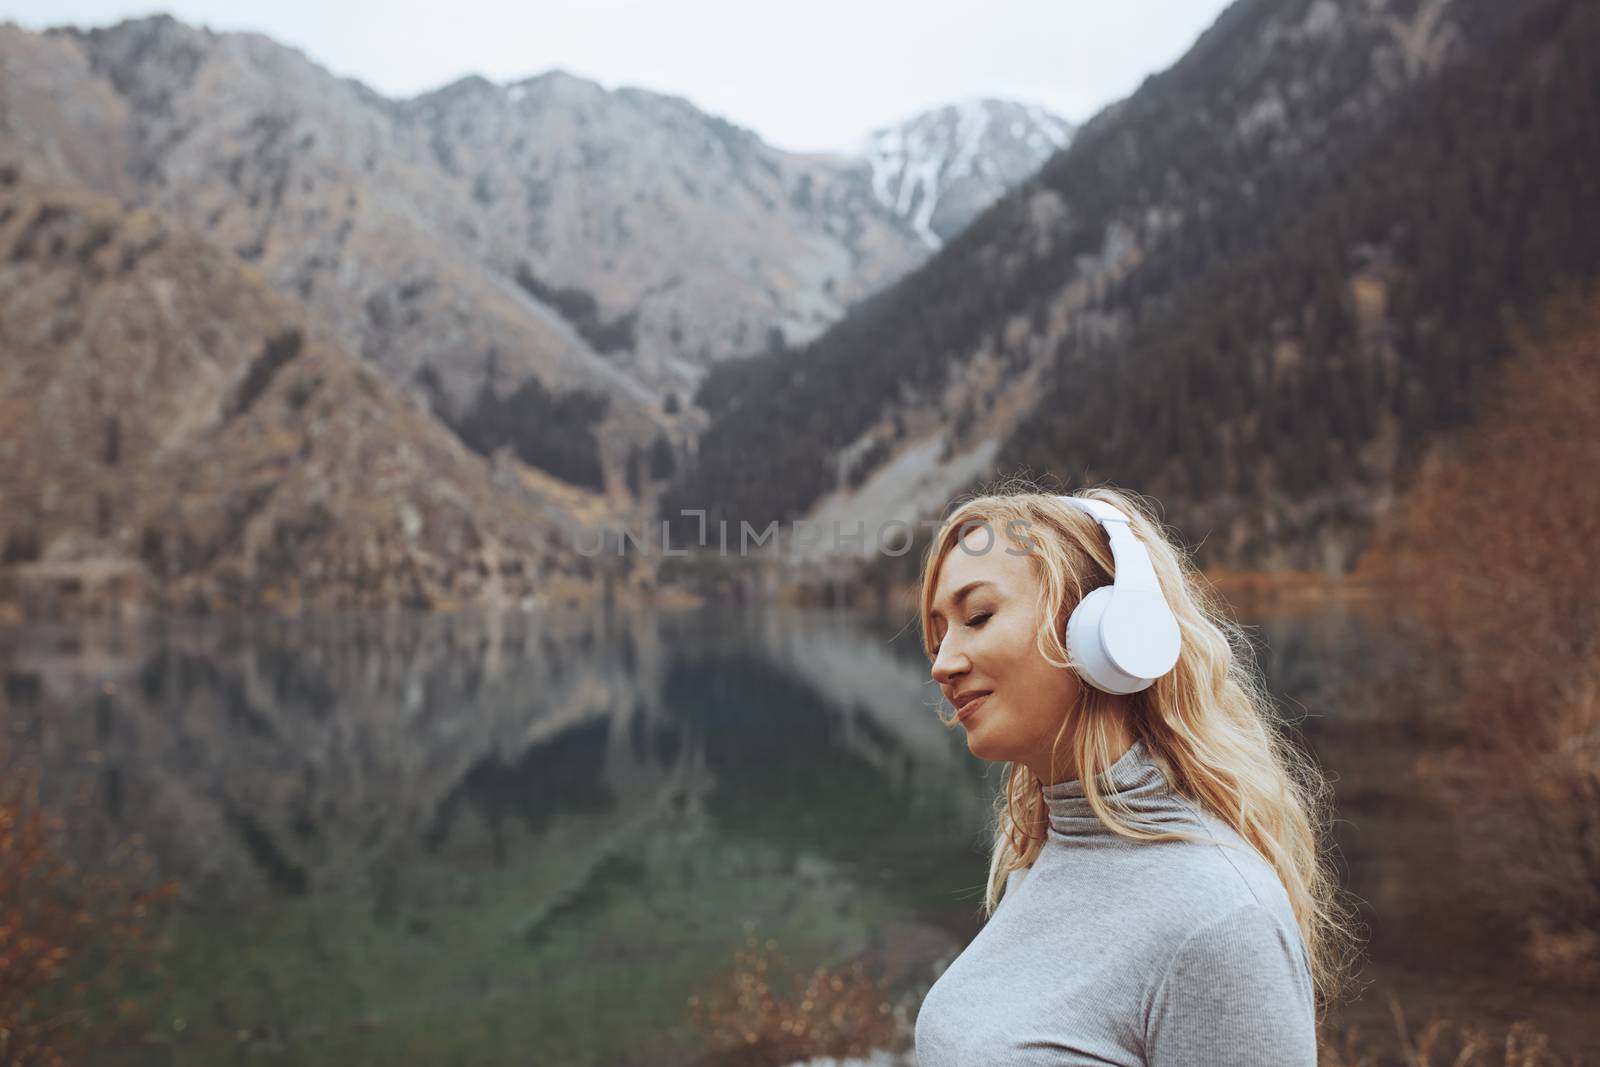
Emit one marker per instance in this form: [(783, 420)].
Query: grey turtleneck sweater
[(1143, 954)]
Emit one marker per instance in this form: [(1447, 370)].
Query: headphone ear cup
[(1086, 648)]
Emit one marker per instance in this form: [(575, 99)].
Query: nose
[(950, 663)]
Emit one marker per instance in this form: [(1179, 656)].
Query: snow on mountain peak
[(938, 170)]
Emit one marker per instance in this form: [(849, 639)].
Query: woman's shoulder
[(1222, 873), (1216, 898), (1170, 889), (1181, 885)]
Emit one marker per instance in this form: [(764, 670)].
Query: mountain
[(692, 239), (177, 435), (540, 272), (603, 245), (940, 169), (1251, 290)]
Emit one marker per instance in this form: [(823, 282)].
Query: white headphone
[(1122, 636)]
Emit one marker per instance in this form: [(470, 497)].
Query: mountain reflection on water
[(430, 838)]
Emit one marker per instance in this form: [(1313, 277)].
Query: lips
[(966, 705)]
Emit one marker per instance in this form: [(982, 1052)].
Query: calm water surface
[(517, 839)]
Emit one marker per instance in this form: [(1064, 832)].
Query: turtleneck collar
[(1134, 782)]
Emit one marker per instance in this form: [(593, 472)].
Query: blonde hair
[(1209, 723)]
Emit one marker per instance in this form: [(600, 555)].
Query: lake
[(511, 839)]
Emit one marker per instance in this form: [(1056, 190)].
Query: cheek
[(1000, 661), (1043, 689), (1010, 649)]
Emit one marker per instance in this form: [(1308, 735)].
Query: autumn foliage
[(69, 937), (761, 1012), (1494, 554)]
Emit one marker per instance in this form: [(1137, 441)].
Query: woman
[(1166, 900)]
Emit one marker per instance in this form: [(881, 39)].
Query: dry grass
[(1444, 1044)]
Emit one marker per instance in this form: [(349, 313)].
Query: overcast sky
[(805, 77)]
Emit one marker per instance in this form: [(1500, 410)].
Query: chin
[(976, 746)]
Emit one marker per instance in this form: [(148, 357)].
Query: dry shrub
[(69, 938), (745, 1019), (1443, 1044), (1494, 553)]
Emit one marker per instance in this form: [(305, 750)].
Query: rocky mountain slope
[(614, 243), (940, 169), (541, 271), (694, 239), (178, 435), (1249, 289)]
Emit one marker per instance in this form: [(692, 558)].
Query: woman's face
[(986, 617)]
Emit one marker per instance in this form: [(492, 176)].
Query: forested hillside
[(1294, 375), (1249, 289)]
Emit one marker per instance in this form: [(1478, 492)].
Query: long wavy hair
[(1209, 723)]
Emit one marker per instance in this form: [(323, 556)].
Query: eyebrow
[(961, 594)]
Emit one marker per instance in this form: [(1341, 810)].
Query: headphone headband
[(1132, 568)]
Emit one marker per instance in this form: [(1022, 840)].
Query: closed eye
[(976, 621)]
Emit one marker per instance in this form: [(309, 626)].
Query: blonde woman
[(1166, 900)]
